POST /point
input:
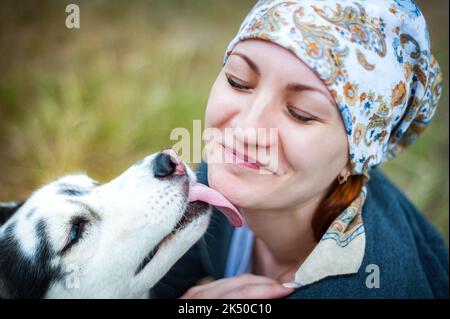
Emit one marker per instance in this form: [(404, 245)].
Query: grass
[(101, 97)]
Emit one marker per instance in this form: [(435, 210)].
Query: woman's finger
[(220, 287), (241, 279), (261, 291)]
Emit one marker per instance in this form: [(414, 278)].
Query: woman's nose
[(253, 125)]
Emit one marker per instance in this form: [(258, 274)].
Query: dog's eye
[(75, 233)]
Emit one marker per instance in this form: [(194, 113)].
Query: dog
[(76, 238)]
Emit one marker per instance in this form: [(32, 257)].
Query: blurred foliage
[(98, 98)]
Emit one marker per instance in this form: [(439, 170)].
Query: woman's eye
[(236, 84), (299, 116)]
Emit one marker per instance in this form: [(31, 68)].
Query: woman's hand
[(245, 286)]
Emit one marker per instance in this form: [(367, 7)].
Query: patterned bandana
[(374, 57)]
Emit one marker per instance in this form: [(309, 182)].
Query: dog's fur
[(75, 238)]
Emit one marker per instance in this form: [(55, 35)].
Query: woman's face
[(265, 86)]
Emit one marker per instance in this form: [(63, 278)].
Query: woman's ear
[(345, 173), (7, 210)]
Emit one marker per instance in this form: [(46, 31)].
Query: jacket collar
[(341, 249)]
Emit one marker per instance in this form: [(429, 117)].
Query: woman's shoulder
[(404, 256), (408, 251), (389, 213)]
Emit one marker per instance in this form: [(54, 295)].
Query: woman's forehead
[(266, 50), (271, 55), (269, 59)]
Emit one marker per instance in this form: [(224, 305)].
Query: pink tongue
[(208, 195)]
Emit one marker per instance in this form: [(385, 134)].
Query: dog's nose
[(167, 163)]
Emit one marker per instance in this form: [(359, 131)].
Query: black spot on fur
[(30, 213), (69, 190), (6, 211), (23, 276)]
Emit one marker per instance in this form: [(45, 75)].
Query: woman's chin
[(232, 186)]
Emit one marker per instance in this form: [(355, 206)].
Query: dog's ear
[(7, 210)]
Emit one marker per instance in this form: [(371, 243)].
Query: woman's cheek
[(300, 147), (220, 104), (211, 114)]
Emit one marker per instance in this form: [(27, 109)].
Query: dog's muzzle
[(167, 163)]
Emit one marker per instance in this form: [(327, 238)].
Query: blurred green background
[(98, 98)]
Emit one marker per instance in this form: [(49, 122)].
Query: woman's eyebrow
[(297, 87), (250, 63)]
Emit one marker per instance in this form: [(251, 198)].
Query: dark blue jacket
[(411, 256)]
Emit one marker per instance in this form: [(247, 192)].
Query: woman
[(348, 86)]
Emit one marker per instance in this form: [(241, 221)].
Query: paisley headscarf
[(374, 57)]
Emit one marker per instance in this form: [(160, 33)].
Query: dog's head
[(77, 238)]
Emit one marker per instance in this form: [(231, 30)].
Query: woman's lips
[(241, 160)]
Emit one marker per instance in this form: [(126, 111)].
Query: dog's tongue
[(208, 195)]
